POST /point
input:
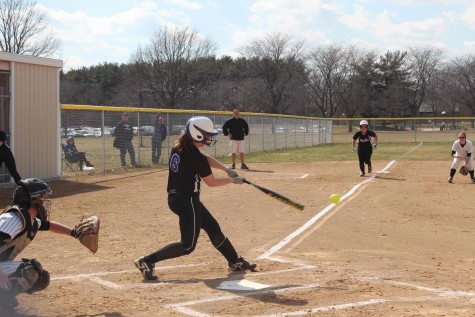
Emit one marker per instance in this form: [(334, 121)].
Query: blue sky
[(93, 32)]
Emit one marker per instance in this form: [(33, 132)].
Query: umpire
[(236, 128), (6, 156)]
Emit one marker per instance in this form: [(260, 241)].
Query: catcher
[(19, 224)]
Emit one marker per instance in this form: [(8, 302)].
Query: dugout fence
[(93, 130)]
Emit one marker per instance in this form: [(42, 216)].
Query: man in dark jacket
[(159, 135), (6, 156), (124, 132), (236, 128)]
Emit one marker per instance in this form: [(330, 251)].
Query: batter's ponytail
[(183, 144)]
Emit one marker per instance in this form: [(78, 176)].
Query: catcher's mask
[(34, 193), (201, 130)]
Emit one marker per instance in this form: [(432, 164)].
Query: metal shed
[(30, 114)]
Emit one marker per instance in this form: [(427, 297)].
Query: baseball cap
[(125, 114), (3, 136)]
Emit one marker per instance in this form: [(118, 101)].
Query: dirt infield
[(399, 244)]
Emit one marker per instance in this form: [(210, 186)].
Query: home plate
[(241, 285)]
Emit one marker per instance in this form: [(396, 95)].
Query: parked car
[(86, 133), (146, 130), (218, 128), (71, 132), (281, 130), (300, 130), (177, 129)]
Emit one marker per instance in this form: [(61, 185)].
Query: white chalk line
[(433, 290), (314, 219), (323, 212)]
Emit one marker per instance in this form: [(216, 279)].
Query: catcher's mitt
[(87, 232), (463, 170)]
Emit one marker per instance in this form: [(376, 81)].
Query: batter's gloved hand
[(375, 145), (353, 150), (87, 232), (231, 173), (238, 180)]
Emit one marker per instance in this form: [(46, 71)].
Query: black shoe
[(233, 166), (89, 164), (362, 174), (450, 179), (241, 265), (370, 168), (146, 268), (244, 167)]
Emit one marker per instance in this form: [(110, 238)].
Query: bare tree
[(24, 29), (459, 83), (176, 67), (276, 58), (327, 79), (423, 65)]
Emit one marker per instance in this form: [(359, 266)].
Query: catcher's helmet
[(201, 130), (363, 122), (34, 193)]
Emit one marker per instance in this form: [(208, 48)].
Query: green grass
[(342, 152)]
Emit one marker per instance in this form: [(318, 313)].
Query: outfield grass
[(342, 152)]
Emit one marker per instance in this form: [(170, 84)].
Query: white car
[(300, 130)]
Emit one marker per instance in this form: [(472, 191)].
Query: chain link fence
[(93, 131)]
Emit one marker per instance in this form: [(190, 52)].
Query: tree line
[(277, 74)]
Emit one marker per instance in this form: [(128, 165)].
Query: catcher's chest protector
[(21, 241)]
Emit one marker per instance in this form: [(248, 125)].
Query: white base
[(241, 285)]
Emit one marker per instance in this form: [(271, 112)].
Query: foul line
[(322, 213)]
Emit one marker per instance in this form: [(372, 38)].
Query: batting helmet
[(363, 122), (201, 129), (34, 193)]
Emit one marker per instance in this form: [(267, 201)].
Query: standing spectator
[(236, 128), (365, 149), (187, 167), (71, 150), (462, 150), (159, 135), (124, 132), (6, 156)]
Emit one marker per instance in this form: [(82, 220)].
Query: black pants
[(193, 216), (364, 156)]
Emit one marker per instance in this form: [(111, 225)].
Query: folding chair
[(70, 162)]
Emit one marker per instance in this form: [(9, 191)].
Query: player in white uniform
[(462, 150)]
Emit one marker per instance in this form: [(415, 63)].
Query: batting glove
[(375, 145), (231, 173), (353, 150), (238, 180)]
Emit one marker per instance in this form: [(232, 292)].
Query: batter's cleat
[(147, 269), (450, 179), (241, 265), (473, 180), (370, 168), (362, 174), (244, 167), (233, 166)]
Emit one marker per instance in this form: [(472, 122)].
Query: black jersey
[(185, 171), (364, 141)]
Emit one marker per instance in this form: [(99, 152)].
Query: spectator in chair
[(70, 149)]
